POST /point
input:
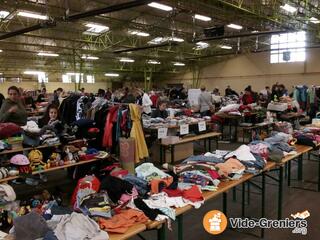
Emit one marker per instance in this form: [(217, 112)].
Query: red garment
[(87, 182), (122, 221), (214, 174), (193, 194), (154, 100), (111, 118), (173, 192), (247, 99), (119, 173), (9, 129)]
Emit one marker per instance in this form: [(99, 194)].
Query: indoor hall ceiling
[(64, 34)]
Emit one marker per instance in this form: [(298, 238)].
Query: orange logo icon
[(215, 222)]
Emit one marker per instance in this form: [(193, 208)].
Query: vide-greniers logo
[(215, 222)]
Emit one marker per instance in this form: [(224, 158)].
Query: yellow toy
[(36, 163)]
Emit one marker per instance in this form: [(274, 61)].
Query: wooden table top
[(300, 149), (52, 169), (132, 231), (195, 138)]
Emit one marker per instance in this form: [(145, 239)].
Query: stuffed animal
[(54, 160), (36, 163)]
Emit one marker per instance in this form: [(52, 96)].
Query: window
[(76, 77), (90, 79), (42, 77), (288, 47)]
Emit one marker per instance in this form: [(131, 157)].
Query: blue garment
[(140, 184), (259, 163), (283, 146), (201, 158)]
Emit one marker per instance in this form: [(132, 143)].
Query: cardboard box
[(181, 152), (170, 140)]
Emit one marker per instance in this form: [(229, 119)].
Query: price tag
[(184, 129), (202, 126), (162, 132)]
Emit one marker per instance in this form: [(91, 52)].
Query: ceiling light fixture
[(1, 50), (126, 60), (160, 6), (157, 40), (289, 8), (89, 57), (179, 64), (48, 54), (153, 62), (175, 39), (201, 45), (74, 73), (225, 47), (95, 28), (202, 18), (314, 20), (31, 72), (32, 15), (234, 26), (139, 33), (112, 74), (4, 14)]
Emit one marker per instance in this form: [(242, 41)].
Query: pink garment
[(260, 149), (232, 165), (127, 197)]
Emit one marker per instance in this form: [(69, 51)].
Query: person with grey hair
[(205, 102)]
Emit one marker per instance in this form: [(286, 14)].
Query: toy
[(54, 160), (22, 162), (35, 157)]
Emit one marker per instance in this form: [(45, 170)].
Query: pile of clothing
[(275, 147), (309, 136)]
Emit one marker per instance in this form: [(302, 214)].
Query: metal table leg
[(300, 167), (289, 173), (161, 154), (248, 193), (217, 143), (172, 154), (180, 227), (263, 189), (161, 232), (280, 193), (224, 202), (243, 199), (234, 194)]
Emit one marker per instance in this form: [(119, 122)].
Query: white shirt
[(146, 103)]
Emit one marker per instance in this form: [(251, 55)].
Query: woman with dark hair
[(161, 110), (2, 98), (12, 109)]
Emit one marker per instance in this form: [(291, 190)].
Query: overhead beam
[(112, 8), (38, 26), (145, 47), (242, 35)]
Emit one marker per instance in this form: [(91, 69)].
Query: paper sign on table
[(184, 129), (202, 126), (162, 132)]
